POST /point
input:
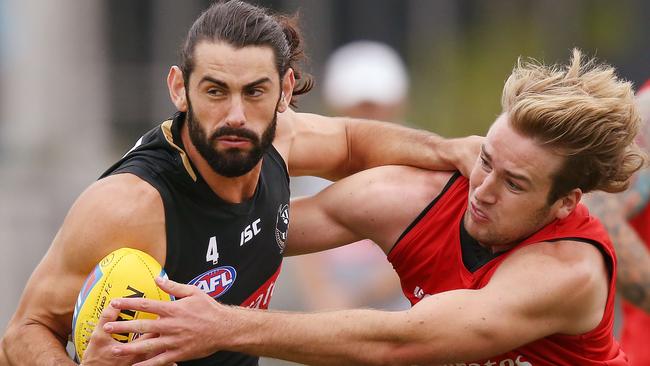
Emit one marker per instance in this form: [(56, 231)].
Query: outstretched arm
[(105, 217), (377, 204), (614, 210), (519, 305), (335, 147)]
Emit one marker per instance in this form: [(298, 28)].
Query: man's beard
[(231, 162)]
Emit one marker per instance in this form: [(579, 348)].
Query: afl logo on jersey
[(215, 282), (282, 226)]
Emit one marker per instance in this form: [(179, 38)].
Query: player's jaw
[(502, 227), (230, 151)]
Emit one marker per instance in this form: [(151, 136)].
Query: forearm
[(353, 337), (34, 345), (374, 144), (428, 333), (336, 147)]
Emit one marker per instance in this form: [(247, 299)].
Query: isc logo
[(215, 282), (249, 232)]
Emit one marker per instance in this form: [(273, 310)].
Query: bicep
[(376, 204), (319, 146), (314, 226), (94, 226)]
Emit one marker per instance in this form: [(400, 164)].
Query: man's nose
[(485, 192), (236, 116)]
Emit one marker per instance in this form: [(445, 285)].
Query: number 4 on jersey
[(213, 252)]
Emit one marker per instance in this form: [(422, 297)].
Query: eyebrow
[(508, 173), (223, 84)]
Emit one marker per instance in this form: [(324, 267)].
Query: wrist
[(244, 330), (463, 153), (447, 153)]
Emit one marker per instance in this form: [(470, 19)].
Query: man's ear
[(288, 83), (176, 86), (568, 203)]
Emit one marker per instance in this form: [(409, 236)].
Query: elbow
[(4, 360), (21, 334), (7, 344)]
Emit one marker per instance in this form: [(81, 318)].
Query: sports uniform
[(233, 252), (435, 254), (635, 333)]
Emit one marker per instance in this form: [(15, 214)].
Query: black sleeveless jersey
[(233, 252)]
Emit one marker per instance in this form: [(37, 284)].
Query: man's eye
[(513, 186), (254, 92), (485, 164), (215, 92)]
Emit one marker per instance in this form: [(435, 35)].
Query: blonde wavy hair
[(585, 113)]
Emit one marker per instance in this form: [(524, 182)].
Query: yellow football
[(125, 272)]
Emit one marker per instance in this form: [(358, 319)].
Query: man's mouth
[(477, 214), (232, 141)]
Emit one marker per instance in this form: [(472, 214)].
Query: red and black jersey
[(233, 252), (435, 254)]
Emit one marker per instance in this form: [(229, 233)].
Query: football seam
[(105, 277), (102, 283), (153, 277)]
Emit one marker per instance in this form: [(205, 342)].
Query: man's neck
[(233, 190)]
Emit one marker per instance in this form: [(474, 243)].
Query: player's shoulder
[(568, 278), (119, 210), (293, 122), (571, 258), (121, 195), (292, 125), (566, 251), (576, 268)]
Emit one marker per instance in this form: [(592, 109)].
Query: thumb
[(177, 290)]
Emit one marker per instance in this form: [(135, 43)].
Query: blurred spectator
[(627, 218), (364, 80)]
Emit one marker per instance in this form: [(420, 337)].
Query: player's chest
[(227, 255)]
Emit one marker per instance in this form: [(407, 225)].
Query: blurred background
[(81, 80)]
